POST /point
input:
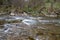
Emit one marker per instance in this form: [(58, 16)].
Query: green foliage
[(57, 5)]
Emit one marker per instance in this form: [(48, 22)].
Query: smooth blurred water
[(44, 26)]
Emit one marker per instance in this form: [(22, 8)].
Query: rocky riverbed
[(29, 28)]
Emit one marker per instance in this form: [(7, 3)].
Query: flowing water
[(15, 28)]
